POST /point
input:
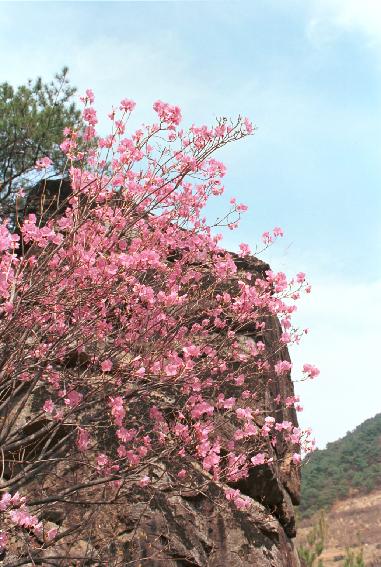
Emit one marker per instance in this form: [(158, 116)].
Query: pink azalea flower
[(43, 163), (277, 231), (6, 501), (282, 367), (249, 126), (3, 540), (311, 370), (90, 95), (83, 439), (102, 460), (127, 105), (48, 406), (258, 459), (245, 249), (144, 481), (167, 113), (141, 371), (51, 534), (73, 399), (106, 365), (90, 116)]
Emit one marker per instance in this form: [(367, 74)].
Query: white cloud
[(343, 315), (330, 17), (144, 69), (113, 67), (344, 318)]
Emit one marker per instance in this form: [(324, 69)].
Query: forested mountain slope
[(351, 465)]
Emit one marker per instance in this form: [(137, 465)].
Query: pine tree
[(32, 119)]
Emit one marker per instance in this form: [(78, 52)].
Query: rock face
[(189, 531), (194, 529), (167, 526)]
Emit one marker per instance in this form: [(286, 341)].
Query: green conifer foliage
[(32, 119)]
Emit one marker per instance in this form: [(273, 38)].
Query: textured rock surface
[(194, 529), (164, 526), (190, 531)]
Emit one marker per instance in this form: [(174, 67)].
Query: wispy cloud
[(332, 17), (344, 342)]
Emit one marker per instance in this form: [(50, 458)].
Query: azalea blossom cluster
[(19, 515), (123, 320)]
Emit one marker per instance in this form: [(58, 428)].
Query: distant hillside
[(351, 465), (353, 528)]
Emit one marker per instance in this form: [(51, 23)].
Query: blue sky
[(308, 73)]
